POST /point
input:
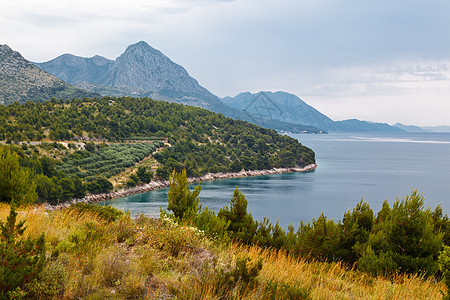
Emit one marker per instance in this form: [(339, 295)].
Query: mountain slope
[(142, 71), (75, 69), (409, 128), (285, 107), (21, 81), (280, 106)]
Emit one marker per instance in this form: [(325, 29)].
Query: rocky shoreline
[(158, 184)]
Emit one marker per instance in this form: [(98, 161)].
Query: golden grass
[(334, 281), (144, 258)]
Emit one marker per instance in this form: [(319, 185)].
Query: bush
[(242, 276), (107, 213)]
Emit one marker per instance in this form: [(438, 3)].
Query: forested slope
[(178, 137)]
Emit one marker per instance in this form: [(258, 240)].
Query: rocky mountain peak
[(11, 60), (22, 81)]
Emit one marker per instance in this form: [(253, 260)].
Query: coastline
[(159, 184)]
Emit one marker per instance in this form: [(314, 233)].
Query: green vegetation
[(107, 161), (21, 261), (16, 185), (171, 137), (403, 239), (99, 252)]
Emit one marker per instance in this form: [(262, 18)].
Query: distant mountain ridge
[(74, 69), (287, 107), (409, 128), (280, 106), (22, 81), (142, 71)]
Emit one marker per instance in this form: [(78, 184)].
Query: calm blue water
[(351, 166)]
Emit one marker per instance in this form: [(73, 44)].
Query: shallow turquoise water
[(351, 166)]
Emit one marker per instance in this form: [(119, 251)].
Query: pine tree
[(21, 261), (16, 184), (182, 201)]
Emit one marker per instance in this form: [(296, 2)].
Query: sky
[(384, 61)]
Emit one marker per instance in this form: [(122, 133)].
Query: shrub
[(107, 213), (243, 276)]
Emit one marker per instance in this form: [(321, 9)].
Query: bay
[(375, 167)]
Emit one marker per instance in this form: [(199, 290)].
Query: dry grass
[(334, 281), (147, 258)]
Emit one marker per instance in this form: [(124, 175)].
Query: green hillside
[(168, 136)]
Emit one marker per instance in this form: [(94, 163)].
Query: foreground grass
[(102, 254)]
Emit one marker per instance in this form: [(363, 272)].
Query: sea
[(351, 167)]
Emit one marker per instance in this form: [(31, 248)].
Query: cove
[(350, 167)]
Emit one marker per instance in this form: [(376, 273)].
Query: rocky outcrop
[(22, 81), (157, 184)]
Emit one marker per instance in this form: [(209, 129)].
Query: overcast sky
[(385, 61)]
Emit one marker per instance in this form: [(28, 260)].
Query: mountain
[(74, 69), (410, 128), (285, 107), (437, 128), (355, 125), (140, 71), (281, 106), (22, 81)]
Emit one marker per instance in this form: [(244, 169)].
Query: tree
[(144, 175), (21, 261), (16, 184), (354, 232), (182, 201), (242, 225), (403, 239), (100, 185)]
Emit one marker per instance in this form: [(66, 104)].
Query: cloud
[(339, 55)]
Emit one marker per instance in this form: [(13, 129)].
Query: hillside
[(103, 253), (21, 81), (131, 132), (285, 107)]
